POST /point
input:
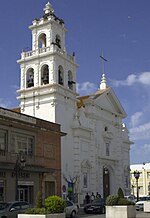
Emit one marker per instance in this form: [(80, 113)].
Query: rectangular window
[(22, 143), (2, 189), (85, 180), (107, 149), (148, 175), (3, 139)]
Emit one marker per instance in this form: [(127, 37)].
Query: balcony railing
[(10, 158), (50, 49)]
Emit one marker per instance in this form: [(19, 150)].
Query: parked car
[(97, 206), (72, 209), (145, 198), (12, 209), (131, 198), (140, 204)]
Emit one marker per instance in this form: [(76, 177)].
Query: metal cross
[(103, 61)]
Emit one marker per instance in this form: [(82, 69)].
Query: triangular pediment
[(105, 99), (109, 101)]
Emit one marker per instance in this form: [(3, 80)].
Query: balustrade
[(52, 48), (7, 157)]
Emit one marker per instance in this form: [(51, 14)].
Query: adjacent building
[(95, 151), (143, 181), (30, 157)]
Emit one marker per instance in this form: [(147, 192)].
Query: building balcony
[(44, 51), (8, 160)]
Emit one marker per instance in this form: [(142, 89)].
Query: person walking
[(98, 195), (87, 198), (92, 197)]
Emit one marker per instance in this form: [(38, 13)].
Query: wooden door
[(106, 182)]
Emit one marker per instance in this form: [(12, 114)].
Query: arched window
[(58, 41), (45, 75), (30, 77), (70, 80), (60, 75), (42, 41)]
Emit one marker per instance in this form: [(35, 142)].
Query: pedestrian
[(87, 198), (98, 195), (92, 197)]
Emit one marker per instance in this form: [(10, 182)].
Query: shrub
[(119, 199), (112, 200), (38, 200), (124, 201), (54, 204), (35, 211), (120, 193)]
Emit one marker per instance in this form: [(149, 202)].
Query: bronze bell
[(30, 82), (45, 79)]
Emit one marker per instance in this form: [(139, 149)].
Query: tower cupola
[(48, 8)]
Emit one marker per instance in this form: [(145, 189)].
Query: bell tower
[(48, 72)]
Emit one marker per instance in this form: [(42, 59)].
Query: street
[(81, 214), (90, 215)]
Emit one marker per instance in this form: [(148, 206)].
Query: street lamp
[(19, 165), (137, 175)]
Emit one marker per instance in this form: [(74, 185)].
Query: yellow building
[(143, 181)]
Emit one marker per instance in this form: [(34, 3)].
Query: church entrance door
[(106, 182)]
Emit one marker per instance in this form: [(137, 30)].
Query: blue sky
[(121, 29)]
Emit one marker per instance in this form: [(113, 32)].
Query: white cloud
[(140, 153), (141, 128), (135, 119), (86, 88), (140, 132), (143, 78)]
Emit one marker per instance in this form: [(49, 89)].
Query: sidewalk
[(139, 214), (142, 215)]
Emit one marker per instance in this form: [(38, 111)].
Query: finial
[(48, 8), (103, 84)]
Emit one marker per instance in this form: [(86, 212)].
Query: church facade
[(95, 151)]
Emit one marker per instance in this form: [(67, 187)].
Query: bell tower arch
[(48, 72)]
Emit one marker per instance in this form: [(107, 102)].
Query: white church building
[(95, 151)]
